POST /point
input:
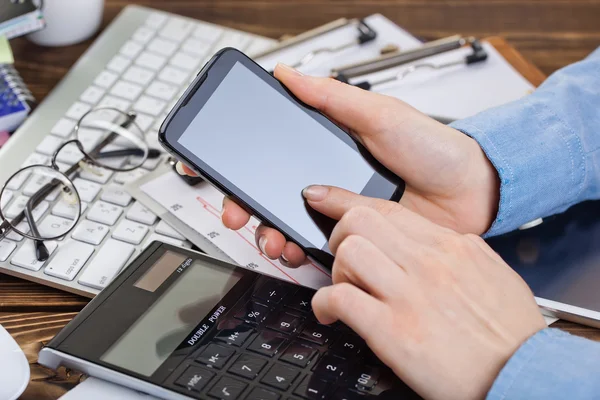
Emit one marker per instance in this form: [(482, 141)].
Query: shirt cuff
[(551, 364), (540, 163)]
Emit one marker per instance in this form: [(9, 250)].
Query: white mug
[(68, 21)]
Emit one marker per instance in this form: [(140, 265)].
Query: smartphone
[(240, 129)]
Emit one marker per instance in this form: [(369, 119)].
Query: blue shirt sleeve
[(545, 146), (550, 365)]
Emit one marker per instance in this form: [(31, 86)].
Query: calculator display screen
[(163, 327)]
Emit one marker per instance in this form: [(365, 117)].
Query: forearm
[(544, 146), (552, 364)]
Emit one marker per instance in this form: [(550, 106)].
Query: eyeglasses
[(104, 138)]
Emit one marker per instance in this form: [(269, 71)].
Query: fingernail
[(284, 258), (262, 244), (179, 168), (289, 69), (222, 207), (315, 192)]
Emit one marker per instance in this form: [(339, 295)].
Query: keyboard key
[(348, 346), (90, 232), (247, 366), (259, 45), (234, 333), (267, 343), (143, 121), (7, 196), (208, 33), (114, 102), (301, 300), (165, 239), (105, 79), (138, 75), (63, 128), (96, 174), (26, 256), (118, 64), (252, 312), (87, 190), (331, 367), (77, 110), (35, 183), (68, 210), (196, 47), (49, 145), (215, 355), (6, 249), (131, 49), (227, 388), (129, 176), (165, 229), (21, 227), (194, 378), (53, 226), (18, 205), (69, 260), (271, 290), (69, 154), (173, 75), (156, 20), (35, 159), (151, 61), (130, 232), (284, 322), (364, 377), (17, 181), (92, 95), (185, 61), (312, 388), (280, 376), (233, 39), (115, 194), (126, 90), (162, 47), (139, 213), (105, 213), (143, 34), (149, 105), (161, 90), (298, 354), (110, 260), (177, 29), (316, 333), (262, 394)]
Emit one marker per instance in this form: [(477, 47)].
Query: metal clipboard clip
[(365, 34), (347, 72)]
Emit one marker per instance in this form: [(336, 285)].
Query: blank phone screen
[(270, 148)]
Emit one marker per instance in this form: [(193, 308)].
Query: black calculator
[(178, 324)]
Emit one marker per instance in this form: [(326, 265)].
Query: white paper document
[(199, 208)]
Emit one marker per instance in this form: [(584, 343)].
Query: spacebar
[(107, 264)]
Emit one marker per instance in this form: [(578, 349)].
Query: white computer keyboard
[(143, 62)]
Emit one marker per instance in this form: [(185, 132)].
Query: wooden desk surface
[(549, 33)]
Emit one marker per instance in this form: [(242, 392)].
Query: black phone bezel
[(179, 118)]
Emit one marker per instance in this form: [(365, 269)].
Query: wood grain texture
[(549, 33)]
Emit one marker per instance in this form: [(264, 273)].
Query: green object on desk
[(6, 55)]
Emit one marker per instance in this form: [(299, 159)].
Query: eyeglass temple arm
[(41, 251)]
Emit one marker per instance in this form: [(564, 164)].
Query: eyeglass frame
[(7, 226)]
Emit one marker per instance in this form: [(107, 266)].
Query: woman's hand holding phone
[(449, 180)]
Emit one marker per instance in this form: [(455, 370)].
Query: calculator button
[(348, 346), (330, 367), (312, 388), (194, 378), (271, 290), (262, 394), (227, 388), (237, 335), (247, 366), (215, 355), (280, 376), (298, 354), (267, 344), (317, 333), (252, 312), (301, 301), (345, 394), (284, 322), (364, 377)]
